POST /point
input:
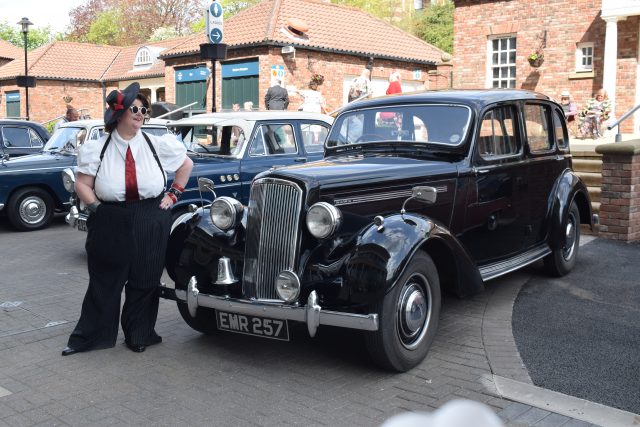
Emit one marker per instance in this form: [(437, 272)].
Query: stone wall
[(620, 198)]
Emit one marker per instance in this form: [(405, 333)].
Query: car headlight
[(225, 212), (323, 219), (69, 180), (288, 286)]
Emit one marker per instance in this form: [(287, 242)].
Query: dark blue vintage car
[(417, 195), (21, 137), (230, 149), (30, 186)]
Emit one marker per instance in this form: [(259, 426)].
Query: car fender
[(568, 188), (381, 254)]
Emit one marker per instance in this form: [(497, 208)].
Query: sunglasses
[(135, 109)]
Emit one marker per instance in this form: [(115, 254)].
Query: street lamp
[(25, 29)]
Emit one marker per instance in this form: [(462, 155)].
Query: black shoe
[(68, 351), (137, 348)]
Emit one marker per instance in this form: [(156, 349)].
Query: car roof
[(477, 97), (214, 118), (19, 122)]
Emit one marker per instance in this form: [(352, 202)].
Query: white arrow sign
[(214, 20)]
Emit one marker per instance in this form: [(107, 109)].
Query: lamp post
[(25, 30)]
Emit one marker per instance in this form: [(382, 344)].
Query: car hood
[(39, 161), (362, 170)]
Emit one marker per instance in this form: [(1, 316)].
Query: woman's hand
[(166, 202)]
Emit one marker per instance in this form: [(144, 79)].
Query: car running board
[(497, 269)]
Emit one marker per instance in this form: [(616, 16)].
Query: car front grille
[(272, 235)]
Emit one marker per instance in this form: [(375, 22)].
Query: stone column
[(610, 60), (620, 197)]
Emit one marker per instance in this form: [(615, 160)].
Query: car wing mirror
[(206, 184), (421, 193)]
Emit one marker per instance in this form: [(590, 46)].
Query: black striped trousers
[(126, 245)]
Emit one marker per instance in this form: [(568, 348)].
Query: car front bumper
[(77, 219), (311, 314)]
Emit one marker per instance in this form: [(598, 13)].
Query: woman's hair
[(109, 127), (313, 85)]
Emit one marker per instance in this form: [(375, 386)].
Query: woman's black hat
[(119, 101)]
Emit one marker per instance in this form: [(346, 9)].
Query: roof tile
[(9, 51)]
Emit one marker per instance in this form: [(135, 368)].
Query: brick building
[(586, 45), (335, 41)]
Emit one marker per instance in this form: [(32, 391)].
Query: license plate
[(253, 325), (82, 225)]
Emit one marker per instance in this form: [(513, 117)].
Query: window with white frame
[(584, 57), (502, 62), (143, 57)]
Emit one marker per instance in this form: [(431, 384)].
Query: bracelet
[(172, 196), (175, 193), (93, 206), (177, 187)]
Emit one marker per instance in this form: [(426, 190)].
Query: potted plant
[(317, 79), (536, 58)]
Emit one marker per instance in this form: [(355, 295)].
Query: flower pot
[(536, 62)]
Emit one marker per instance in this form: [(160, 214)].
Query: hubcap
[(570, 238), (32, 210), (413, 311)]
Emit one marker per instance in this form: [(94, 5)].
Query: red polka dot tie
[(130, 180)]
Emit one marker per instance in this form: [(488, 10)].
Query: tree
[(232, 7), (435, 25), (164, 33), (35, 38), (137, 19)]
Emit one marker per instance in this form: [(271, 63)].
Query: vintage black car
[(417, 195), (21, 137)]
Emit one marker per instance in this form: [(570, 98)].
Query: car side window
[(537, 128), (16, 137), (562, 138), (273, 139), (36, 141), (96, 134), (313, 136), (498, 137)]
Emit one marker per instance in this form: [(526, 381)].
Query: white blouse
[(110, 182)]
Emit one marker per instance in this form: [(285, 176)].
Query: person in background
[(568, 106), (360, 86), (235, 106), (248, 106), (313, 101), (595, 114), (70, 116), (122, 179), (277, 97), (395, 83)]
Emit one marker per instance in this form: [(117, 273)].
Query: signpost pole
[(215, 49), (213, 85)]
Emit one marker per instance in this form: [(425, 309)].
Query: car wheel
[(204, 322), (408, 317), (30, 209), (562, 260)]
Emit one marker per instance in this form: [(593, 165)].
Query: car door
[(496, 209), (313, 134), (273, 144), (543, 131)]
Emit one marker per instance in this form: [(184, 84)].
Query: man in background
[(276, 97), (71, 116)]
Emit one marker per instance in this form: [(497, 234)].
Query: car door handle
[(300, 159), (480, 171)]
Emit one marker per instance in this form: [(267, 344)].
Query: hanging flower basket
[(536, 59), (317, 79)]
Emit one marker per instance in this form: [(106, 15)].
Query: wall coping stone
[(630, 148)]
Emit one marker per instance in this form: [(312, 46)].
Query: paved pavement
[(231, 379)]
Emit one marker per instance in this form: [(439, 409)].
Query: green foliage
[(35, 38), (232, 7), (103, 30), (383, 9), (198, 26), (434, 25), (164, 33)]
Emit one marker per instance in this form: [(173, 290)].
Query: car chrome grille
[(272, 235)]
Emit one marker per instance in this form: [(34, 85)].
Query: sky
[(54, 13)]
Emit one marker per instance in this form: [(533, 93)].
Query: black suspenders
[(153, 150)]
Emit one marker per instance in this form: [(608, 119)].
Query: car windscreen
[(442, 124), (66, 138), (209, 139)]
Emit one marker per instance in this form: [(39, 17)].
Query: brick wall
[(334, 67), (46, 99), (620, 197), (567, 23)]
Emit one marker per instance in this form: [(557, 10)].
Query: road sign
[(214, 20)]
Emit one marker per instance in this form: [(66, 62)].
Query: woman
[(595, 114), (395, 83), (122, 180), (313, 101)]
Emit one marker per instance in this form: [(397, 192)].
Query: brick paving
[(230, 379)]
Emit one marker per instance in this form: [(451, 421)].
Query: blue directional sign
[(214, 20)]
